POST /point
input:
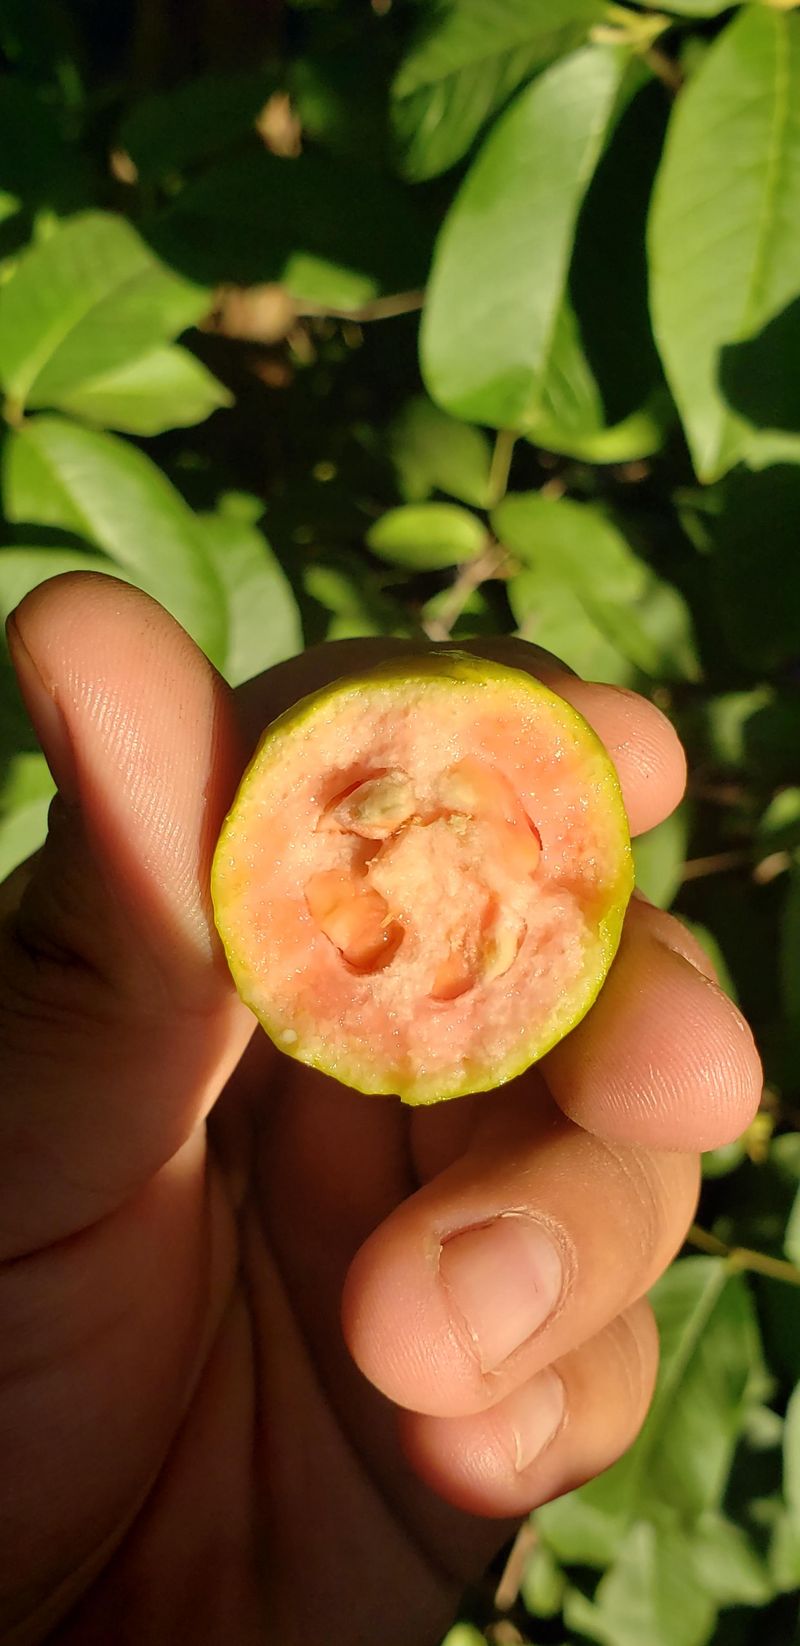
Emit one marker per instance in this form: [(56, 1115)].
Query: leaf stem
[(472, 574), (743, 1258), (500, 466)]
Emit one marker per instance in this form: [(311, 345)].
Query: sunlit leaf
[(89, 298), (659, 857), (642, 616), (427, 536), (263, 619), (434, 452), (167, 388), (725, 228), (710, 1352), (467, 59), (500, 271), (58, 474)]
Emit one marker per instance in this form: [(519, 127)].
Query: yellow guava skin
[(454, 668)]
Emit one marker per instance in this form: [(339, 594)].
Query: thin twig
[(500, 467), (665, 69), (744, 1258), (717, 863), (487, 565), (380, 308), (507, 1591)]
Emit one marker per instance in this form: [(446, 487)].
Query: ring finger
[(558, 1430)]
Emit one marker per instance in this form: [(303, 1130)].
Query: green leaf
[(427, 536), (260, 218), (353, 596), (549, 613), (710, 1354), (726, 1564), (263, 619), (58, 474), (500, 270), (167, 388), (643, 617), (727, 199), (710, 943), (604, 398), (659, 856), (649, 1595), (25, 794), (22, 570), (89, 298), (543, 1583), (779, 825), (755, 731), (434, 452), (463, 1634), (170, 130), (468, 57)]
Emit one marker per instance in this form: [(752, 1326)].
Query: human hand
[(274, 1364)]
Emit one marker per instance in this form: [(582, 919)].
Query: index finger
[(640, 740)]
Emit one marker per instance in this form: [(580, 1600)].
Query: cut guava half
[(421, 883)]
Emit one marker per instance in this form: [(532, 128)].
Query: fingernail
[(537, 1413), (505, 1278), (46, 717)]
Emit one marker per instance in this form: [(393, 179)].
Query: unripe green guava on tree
[(421, 883)]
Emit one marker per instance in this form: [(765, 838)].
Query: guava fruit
[(421, 883)]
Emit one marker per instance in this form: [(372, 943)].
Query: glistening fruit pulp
[(421, 884)]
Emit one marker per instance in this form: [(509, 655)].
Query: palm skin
[(239, 1395)]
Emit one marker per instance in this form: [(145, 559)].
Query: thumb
[(116, 1011)]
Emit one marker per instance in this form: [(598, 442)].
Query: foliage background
[(323, 319)]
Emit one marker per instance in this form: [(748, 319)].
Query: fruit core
[(441, 866)]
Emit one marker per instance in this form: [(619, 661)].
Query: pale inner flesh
[(447, 865)]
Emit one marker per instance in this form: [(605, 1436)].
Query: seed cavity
[(491, 834), (376, 808), (354, 917)]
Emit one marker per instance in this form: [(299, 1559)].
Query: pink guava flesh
[(421, 884)]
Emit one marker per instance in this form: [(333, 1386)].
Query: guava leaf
[(263, 620), (642, 616), (25, 794), (501, 264), (434, 452), (659, 856), (167, 388), (467, 58), (604, 399), (23, 569), (710, 1354), (427, 536), (725, 226), (89, 298), (648, 1594), (56, 473), (550, 613)]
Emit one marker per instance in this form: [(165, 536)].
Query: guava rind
[(359, 1072)]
